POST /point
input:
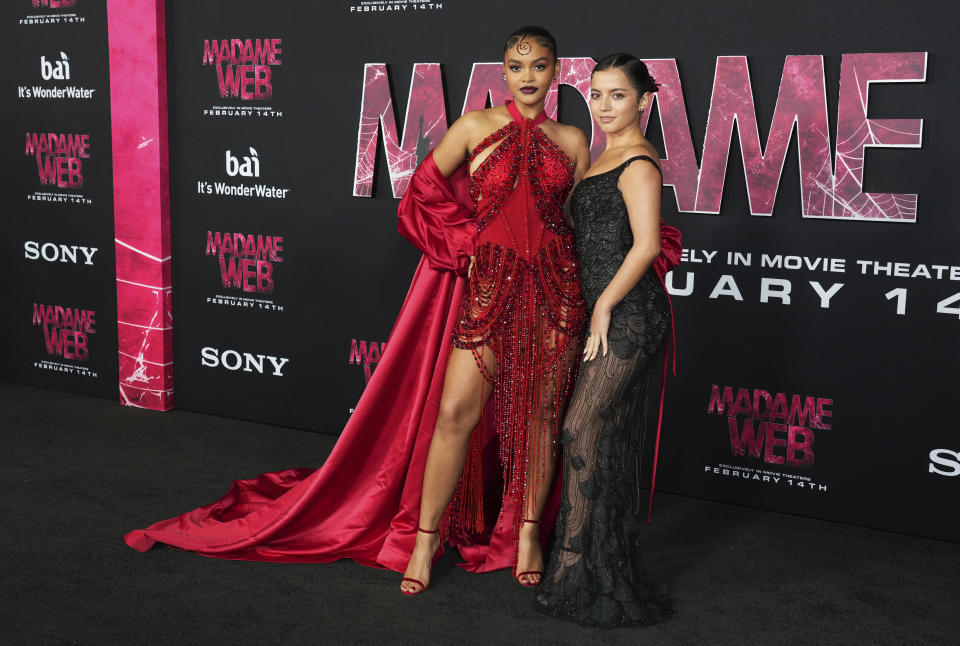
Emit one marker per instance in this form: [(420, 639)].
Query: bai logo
[(247, 362), (248, 167), (949, 460), (55, 70), (52, 252)]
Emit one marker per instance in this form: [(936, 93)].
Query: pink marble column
[(141, 201)]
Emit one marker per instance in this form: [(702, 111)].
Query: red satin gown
[(522, 302)]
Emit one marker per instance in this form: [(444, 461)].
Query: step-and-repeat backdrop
[(807, 152), (58, 319)]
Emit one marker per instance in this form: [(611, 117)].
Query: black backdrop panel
[(57, 229), (880, 360)]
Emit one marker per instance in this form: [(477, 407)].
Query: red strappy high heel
[(517, 575), (423, 586)]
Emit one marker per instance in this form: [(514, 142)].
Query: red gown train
[(522, 303)]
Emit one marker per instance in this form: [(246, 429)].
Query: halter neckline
[(517, 116)]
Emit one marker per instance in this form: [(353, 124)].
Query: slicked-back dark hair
[(543, 37), (635, 70)]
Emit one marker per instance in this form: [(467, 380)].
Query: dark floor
[(77, 473)]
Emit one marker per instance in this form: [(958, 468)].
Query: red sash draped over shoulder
[(363, 503)]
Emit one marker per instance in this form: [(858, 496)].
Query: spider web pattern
[(144, 328), (801, 101), (828, 189), (424, 125), (856, 132), (426, 100)]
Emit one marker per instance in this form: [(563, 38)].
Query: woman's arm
[(454, 147), (435, 213), (581, 160), (640, 186), (453, 150)]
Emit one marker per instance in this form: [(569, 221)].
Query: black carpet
[(77, 473)]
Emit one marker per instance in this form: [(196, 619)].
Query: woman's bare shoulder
[(571, 140), (567, 134), (478, 121), (640, 150)]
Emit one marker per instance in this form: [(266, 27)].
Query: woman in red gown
[(520, 322), (427, 447)]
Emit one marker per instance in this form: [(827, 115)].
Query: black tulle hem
[(661, 610)]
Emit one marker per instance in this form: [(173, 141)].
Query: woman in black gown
[(595, 575)]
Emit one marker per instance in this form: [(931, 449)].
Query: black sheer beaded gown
[(594, 575)]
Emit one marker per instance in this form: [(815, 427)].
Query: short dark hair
[(543, 37), (635, 70)]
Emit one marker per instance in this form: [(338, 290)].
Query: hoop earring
[(504, 77)]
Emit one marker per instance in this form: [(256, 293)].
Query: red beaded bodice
[(525, 165)]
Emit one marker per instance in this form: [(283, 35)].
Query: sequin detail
[(549, 170)]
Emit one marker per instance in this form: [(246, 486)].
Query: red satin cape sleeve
[(437, 215)]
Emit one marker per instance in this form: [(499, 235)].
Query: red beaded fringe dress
[(522, 303), (525, 306)]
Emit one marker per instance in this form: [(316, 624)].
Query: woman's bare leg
[(543, 453), (460, 407), (529, 551)]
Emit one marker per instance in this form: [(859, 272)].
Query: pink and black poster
[(805, 151), (59, 314)]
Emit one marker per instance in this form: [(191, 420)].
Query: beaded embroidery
[(524, 304)]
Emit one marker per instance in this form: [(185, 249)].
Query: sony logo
[(52, 252), (946, 458), (233, 360)]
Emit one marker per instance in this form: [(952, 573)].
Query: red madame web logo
[(776, 429), (244, 66), (367, 354), (59, 157), (65, 330)]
